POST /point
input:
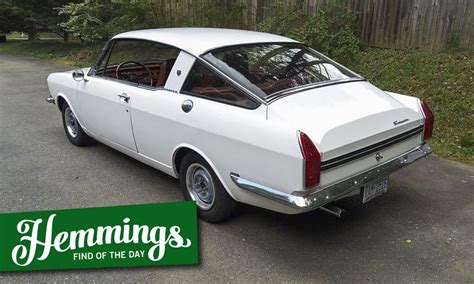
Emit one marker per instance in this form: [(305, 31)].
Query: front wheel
[(73, 129), (199, 183)]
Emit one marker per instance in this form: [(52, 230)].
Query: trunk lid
[(343, 118)]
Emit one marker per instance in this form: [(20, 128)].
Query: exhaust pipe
[(333, 210)]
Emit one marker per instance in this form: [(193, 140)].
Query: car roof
[(197, 41)]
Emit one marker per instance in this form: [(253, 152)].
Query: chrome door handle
[(124, 97)]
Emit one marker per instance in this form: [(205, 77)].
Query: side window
[(138, 61), (202, 82)]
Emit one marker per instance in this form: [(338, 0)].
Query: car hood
[(342, 117)]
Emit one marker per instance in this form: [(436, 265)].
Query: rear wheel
[(73, 129), (199, 183)]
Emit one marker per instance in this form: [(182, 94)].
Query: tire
[(73, 129), (213, 202)]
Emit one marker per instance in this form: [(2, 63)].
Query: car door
[(105, 110), (106, 97), (156, 111)]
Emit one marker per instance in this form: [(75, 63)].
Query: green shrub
[(331, 29), (94, 20), (85, 20), (98, 20)]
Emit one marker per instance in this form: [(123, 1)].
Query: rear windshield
[(272, 68)]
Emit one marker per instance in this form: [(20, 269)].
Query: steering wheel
[(130, 77)]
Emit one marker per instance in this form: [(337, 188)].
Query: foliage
[(93, 20), (100, 19), (31, 16), (7, 16), (453, 43), (331, 29), (85, 19), (17, 15), (443, 79)]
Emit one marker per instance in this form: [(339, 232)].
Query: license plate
[(375, 189)]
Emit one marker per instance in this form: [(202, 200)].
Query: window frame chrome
[(109, 46), (227, 80), (269, 99)]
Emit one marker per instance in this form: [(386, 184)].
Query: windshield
[(272, 68)]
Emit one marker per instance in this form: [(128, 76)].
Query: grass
[(443, 79), (73, 53)]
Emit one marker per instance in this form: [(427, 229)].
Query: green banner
[(121, 236)]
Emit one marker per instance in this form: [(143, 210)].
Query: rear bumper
[(322, 196)]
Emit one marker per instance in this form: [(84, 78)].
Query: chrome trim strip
[(365, 151), (312, 200), (50, 99), (285, 93)]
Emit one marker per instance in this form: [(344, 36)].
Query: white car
[(242, 116)]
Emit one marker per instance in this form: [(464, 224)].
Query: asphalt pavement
[(422, 229)]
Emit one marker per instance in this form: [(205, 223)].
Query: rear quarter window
[(204, 83)]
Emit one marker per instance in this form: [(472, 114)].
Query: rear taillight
[(312, 161), (429, 121)]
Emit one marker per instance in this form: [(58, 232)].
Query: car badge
[(378, 157), (396, 122)]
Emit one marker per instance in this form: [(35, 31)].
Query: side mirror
[(78, 75)]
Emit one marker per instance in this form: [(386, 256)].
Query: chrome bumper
[(320, 197), (50, 99)]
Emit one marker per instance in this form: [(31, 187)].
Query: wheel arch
[(61, 99), (60, 102), (181, 150)]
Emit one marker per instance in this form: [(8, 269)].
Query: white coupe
[(242, 116)]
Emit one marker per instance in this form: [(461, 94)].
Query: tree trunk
[(32, 35), (3, 38), (66, 36)]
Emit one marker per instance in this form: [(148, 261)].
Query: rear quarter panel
[(260, 150), (230, 138)]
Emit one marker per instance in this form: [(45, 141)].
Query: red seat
[(165, 70)]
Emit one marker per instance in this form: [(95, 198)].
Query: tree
[(331, 29), (31, 16), (4, 23), (11, 17), (86, 20), (51, 20), (100, 19), (18, 15)]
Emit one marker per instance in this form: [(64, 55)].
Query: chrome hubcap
[(200, 186), (71, 122)]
